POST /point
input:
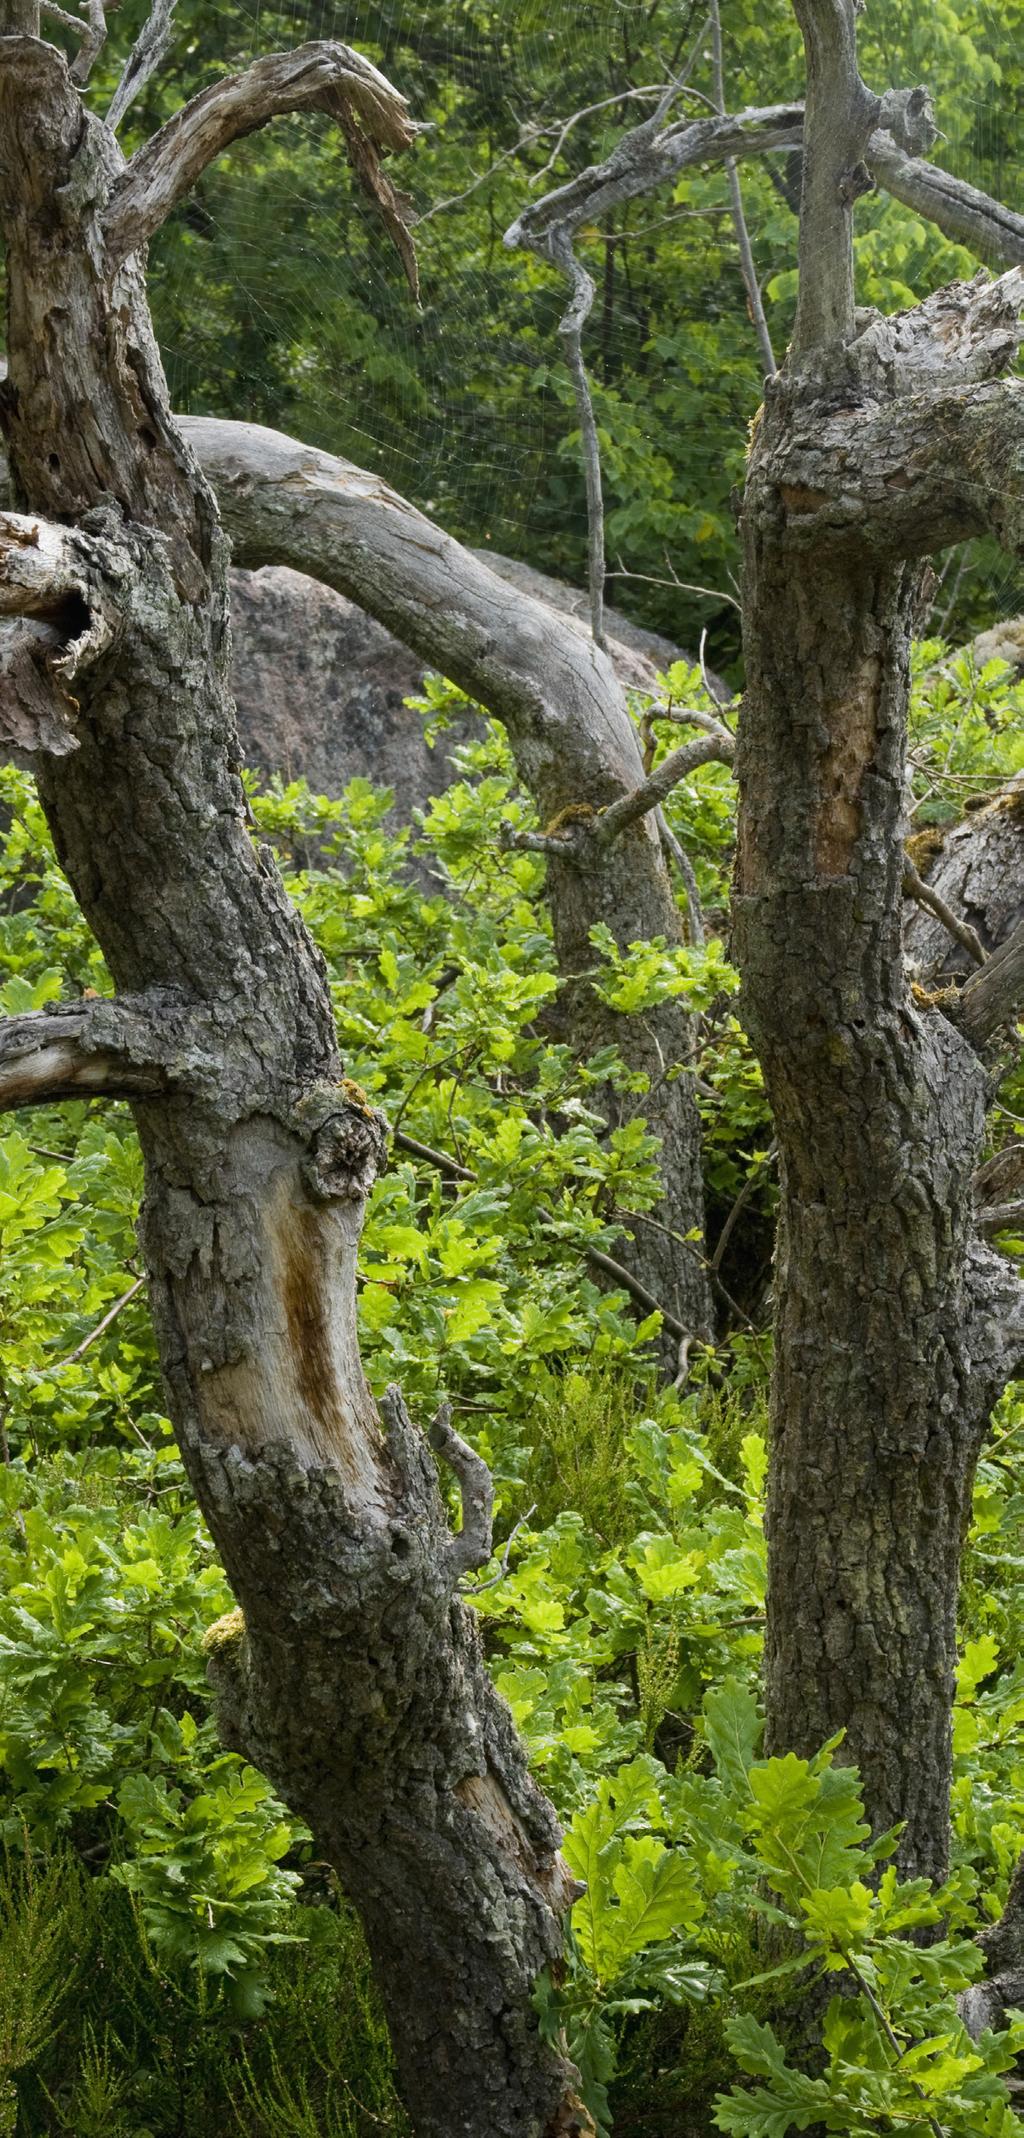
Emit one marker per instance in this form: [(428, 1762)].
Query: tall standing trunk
[(877, 1410), (895, 1328), (354, 1675)]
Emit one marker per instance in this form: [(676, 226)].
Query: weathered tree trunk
[(895, 1329), (355, 1678), (574, 745)]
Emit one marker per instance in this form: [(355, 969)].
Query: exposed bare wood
[(92, 1050), (325, 77)]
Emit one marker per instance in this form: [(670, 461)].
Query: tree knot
[(346, 1143)]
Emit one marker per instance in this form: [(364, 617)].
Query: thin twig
[(481, 1586), (916, 888), (747, 268), (100, 1329), (596, 1255), (677, 853), (740, 1204), (685, 586)]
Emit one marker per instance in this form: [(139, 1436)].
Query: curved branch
[(324, 76), (556, 692), (993, 232), (659, 784)]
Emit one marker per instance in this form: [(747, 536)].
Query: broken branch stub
[(324, 76)]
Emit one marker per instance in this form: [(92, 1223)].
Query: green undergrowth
[(173, 1956)]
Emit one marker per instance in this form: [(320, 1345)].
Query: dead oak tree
[(880, 442), (355, 1679)]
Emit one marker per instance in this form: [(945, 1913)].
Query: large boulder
[(322, 689)]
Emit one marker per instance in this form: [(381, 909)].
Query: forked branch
[(326, 77)]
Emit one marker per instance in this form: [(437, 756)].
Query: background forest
[(173, 1956)]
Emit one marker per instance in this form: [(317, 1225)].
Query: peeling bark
[(355, 1677)]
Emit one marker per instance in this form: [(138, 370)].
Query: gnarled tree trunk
[(896, 1328), (354, 1677)]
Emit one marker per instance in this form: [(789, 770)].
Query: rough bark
[(574, 744), (355, 1678), (895, 1327), (977, 868)]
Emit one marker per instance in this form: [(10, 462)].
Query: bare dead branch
[(916, 888), (645, 159), (145, 57), (659, 784), (739, 220), (1001, 1217), (60, 14), (678, 855), (570, 332), (58, 1054), (474, 1544), (93, 42), (696, 717), (993, 997), (993, 232), (325, 77)]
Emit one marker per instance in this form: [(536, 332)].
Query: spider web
[(464, 406)]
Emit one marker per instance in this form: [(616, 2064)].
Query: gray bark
[(355, 1677), (977, 868), (573, 741), (896, 1328)]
